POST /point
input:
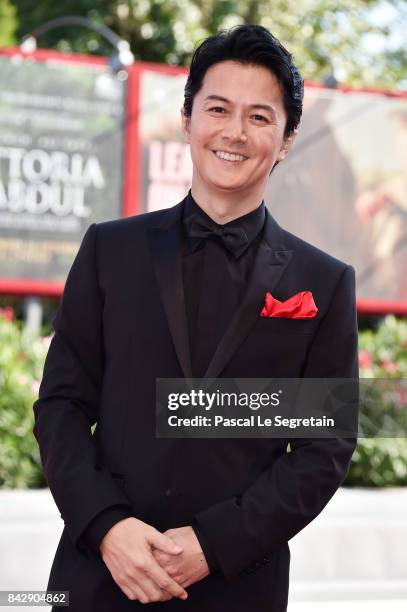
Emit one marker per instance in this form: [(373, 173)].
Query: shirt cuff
[(100, 525), (211, 560)]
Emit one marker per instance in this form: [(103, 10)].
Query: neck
[(223, 207)]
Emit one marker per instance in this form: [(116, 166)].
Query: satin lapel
[(269, 265), (165, 241)]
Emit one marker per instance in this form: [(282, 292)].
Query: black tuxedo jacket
[(121, 323)]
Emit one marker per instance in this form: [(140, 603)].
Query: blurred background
[(90, 130)]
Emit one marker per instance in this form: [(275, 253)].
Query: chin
[(227, 183), (227, 187)]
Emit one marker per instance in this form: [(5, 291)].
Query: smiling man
[(212, 287), (238, 129)]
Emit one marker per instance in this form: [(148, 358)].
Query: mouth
[(231, 158)]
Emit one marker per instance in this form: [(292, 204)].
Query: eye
[(216, 108), (260, 118)]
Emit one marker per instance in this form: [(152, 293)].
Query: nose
[(234, 129)]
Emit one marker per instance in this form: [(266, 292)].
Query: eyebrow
[(266, 107)]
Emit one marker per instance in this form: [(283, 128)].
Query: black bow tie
[(234, 239)]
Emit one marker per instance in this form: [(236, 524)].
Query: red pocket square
[(298, 306)]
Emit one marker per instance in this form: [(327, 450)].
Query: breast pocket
[(283, 325), (275, 347)]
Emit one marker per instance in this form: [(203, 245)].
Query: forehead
[(241, 83)]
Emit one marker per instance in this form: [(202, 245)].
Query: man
[(194, 524)]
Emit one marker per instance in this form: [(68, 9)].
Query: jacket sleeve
[(100, 525), (211, 560), (288, 495), (68, 401)]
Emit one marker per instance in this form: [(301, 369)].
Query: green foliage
[(325, 36), (21, 362), (383, 353), (8, 23), (379, 462)]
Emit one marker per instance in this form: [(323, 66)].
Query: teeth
[(229, 156)]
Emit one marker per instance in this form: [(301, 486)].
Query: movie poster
[(61, 158), (166, 166), (343, 187)]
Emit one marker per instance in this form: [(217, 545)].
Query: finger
[(162, 558), (133, 591), (165, 596), (140, 594), (164, 580), (137, 586), (149, 588), (127, 591), (164, 543)]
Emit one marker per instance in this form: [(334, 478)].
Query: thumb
[(164, 543)]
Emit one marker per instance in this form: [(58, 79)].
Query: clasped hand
[(151, 566)]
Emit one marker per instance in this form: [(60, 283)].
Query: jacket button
[(168, 493)]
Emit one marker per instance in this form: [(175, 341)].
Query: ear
[(186, 125), (287, 143)]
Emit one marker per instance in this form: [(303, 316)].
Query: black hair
[(248, 44)]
